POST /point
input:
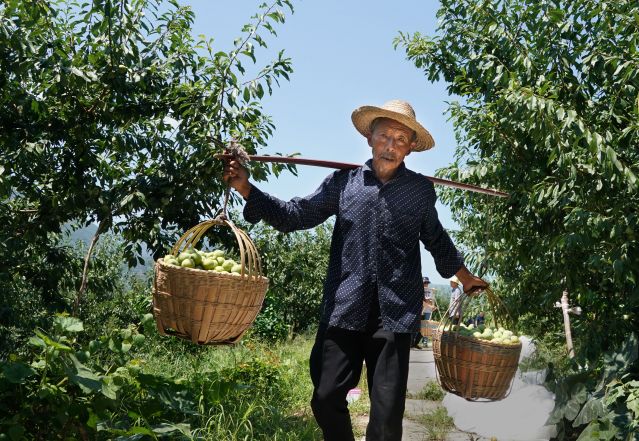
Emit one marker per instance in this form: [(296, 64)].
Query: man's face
[(391, 142)]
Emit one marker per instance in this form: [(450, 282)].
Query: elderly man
[(373, 291)]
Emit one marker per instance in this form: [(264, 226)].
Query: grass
[(437, 422), (431, 391), (270, 399)]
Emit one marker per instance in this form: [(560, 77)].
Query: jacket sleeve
[(298, 213), (448, 260)]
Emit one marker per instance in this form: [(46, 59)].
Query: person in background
[(478, 320), (454, 309), (372, 299), (429, 305), (427, 310)]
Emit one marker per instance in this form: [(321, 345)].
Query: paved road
[(421, 370), (521, 416)]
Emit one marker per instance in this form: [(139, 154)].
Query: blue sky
[(343, 57)]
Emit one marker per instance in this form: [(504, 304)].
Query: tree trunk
[(85, 271)]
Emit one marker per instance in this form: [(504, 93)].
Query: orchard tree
[(111, 113), (548, 111)]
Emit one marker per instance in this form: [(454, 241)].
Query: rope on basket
[(235, 149)]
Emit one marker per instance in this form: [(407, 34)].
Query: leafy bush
[(101, 390), (600, 402), (66, 390), (270, 324), (295, 264)]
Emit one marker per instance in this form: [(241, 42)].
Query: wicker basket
[(207, 307), (428, 327), (472, 368)]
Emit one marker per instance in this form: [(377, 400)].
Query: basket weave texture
[(472, 368), (207, 307)]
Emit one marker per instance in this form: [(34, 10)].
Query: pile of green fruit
[(215, 260), (485, 333)]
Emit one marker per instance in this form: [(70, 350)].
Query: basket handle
[(249, 257), (499, 311)]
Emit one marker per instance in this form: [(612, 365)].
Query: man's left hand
[(473, 285)]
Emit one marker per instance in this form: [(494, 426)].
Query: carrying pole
[(350, 166)]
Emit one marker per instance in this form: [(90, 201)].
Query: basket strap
[(224, 214)]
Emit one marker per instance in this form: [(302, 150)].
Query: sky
[(343, 58)]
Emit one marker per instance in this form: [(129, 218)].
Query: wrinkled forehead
[(390, 124)]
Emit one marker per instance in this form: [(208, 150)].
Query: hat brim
[(362, 118)]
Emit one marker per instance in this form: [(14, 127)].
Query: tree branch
[(85, 271)]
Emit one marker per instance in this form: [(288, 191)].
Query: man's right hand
[(236, 176)]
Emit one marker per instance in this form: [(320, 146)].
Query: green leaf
[(84, 377), (68, 324), (37, 341), (109, 389), (17, 373), (590, 433), (571, 409), (140, 430), (592, 410), (166, 428), (50, 342)]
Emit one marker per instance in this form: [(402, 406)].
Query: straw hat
[(455, 279), (397, 110)]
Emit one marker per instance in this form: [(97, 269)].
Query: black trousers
[(336, 366)]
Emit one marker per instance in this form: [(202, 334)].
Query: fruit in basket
[(187, 263), (209, 263), (170, 259), (498, 335), (217, 253), (215, 260), (183, 255)]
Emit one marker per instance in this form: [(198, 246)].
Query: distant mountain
[(85, 235)]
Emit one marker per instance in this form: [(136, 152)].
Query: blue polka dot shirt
[(375, 243)]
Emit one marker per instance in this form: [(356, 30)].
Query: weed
[(437, 423), (431, 391)]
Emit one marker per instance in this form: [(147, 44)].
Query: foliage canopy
[(111, 113), (548, 111)]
